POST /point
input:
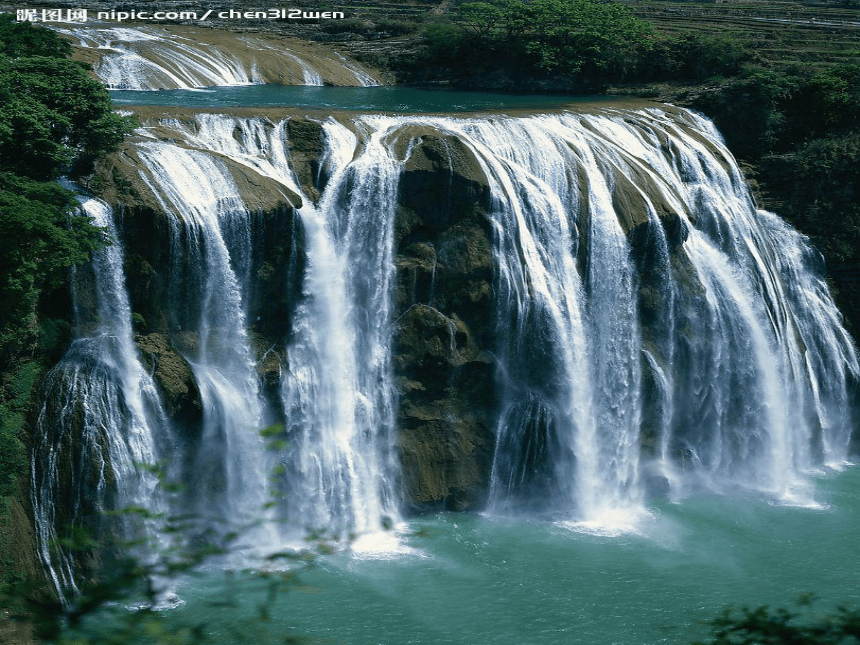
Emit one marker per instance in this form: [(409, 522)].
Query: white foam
[(381, 545), (800, 494), (612, 522)]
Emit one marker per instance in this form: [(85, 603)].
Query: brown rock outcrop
[(174, 377), (443, 327)]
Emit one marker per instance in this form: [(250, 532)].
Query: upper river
[(376, 98)]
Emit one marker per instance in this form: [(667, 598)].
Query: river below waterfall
[(467, 579)]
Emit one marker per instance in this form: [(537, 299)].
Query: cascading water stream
[(344, 393), (757, 274), (734, 396), (153, 58), (580, 324), (211, 246), (99, 397), (337, 390), (166, 61)]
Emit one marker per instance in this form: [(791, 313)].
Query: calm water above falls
[(377, 99)]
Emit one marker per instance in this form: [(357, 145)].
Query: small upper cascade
[(158, 57)]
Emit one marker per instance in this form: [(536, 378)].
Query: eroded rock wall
[(444, 327)]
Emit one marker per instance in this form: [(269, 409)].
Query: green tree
[(580, 36), (763, 626), (479, 18), (19, 39), (54, 119), (584, 40)]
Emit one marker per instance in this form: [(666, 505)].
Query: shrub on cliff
[(41, 239), (763, 626), (688, 56), (763, 111)]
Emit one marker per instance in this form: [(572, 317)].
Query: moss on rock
[(443, 325), (172, 373)]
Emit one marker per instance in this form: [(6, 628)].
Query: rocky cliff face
[(444, 326)]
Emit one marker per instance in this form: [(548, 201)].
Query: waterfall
[(640, 290), (210, 234), (654, 331), (154, 58), (337, 394), (737, 368), (101, 421), (340, 402), (652, 323)]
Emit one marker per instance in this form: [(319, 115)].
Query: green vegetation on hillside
[(54, 119), (570, 37), (578, 44), (20, 39)]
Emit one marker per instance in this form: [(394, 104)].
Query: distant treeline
[(585, 43)]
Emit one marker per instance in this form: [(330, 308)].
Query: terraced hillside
[(784, 33), (780, 32)]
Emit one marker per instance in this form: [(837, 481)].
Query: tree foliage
[(20, 39), (42, 237), (587, 42), (578, 36), (764, 626), (568, 37), (54, 118), (821, 191)]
